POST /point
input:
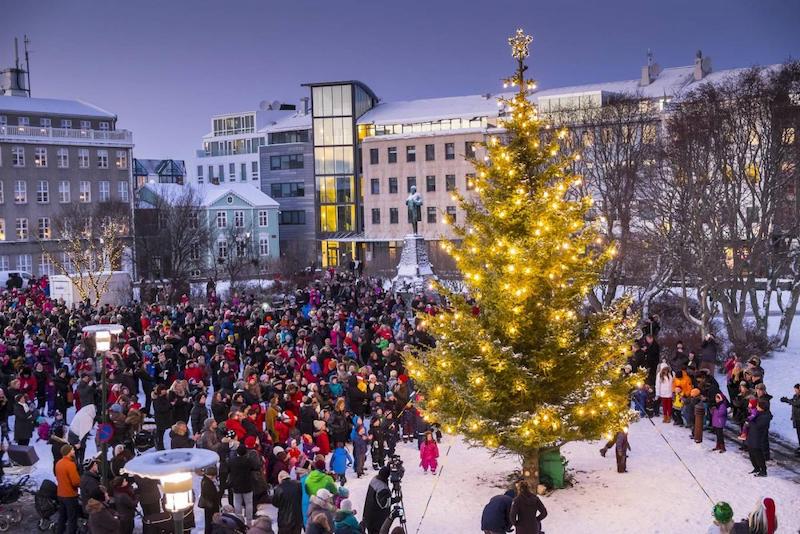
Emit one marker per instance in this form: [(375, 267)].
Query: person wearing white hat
[(321, 503)]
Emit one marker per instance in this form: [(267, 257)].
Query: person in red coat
[(234, 423), (282, 428), (321, 438)]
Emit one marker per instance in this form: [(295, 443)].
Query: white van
[(5, 275)]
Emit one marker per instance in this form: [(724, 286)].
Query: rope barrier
[(679, 458)]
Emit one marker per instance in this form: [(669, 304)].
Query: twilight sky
[(164, 67)]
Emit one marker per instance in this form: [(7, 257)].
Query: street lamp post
[(102, 336), (174, 470)]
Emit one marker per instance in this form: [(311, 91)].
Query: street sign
[(105, 431)]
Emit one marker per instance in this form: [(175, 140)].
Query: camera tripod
[(398, 511)]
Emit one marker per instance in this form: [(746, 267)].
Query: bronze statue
[(414, 205)]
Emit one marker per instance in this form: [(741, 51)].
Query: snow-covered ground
[(657, 495), (781, 373)]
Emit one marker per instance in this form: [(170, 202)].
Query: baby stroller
[(9, 494), (46, 503), (142, 441)]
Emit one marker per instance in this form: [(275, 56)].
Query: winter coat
[(261, 525), (758, 434), (317, 480), (664, 385), (24, 422), (125, 507), (684, 382), (101, 519), (320, 506), (90, 482), (288, 498), (429, 452), (527, 512), (210, 496), (377, 504), (85, 392), (340, 460), (719, 414), (708, 351), (162, 411), (198, 417), (340, 427), (795, 404), (346, 523), (240, 476), (496, 516), (178, 441), (67, 477)]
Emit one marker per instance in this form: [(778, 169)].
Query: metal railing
[(66, 133)]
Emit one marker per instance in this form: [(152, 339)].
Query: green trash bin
[(551, 468)]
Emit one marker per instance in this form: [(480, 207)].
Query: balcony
[(65, 136)]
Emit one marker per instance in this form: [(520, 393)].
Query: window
[(238, 219), (3, 120), (221, 169), (62, 158), (163, 219), (194, 252), (22, 229), (393, 216), (2, 229), (287, 190), (222, 219), (23, 121), (263, 218), (430, 183), (469, 149), (83, 158), (40, 157), (263, 245), (431, 215), (375, 186), (376, 215), (286, 162), (449, 182), (2, 193), (86, 125), (232, 170), (66, 123), (66, 262), (294, 136), (449, 151), (373, 156), (44, 227), (470, 181), (430, 152), (85, 192), (243, 172), (4, 263), (122, 159), (122, 190), (102, 159), (17, 156), (200, 174), (222, 249), (194, 220), (411, 181), (411, 153), (45, 267), (43, 192), (391, 154), (451, 214), (64, 192), (104, 190), (105, 126), (392, 185), (293, 217), (44, 122), (24, 263), (253, 170), (20, 192)]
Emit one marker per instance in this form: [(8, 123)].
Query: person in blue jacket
[(496, 516), (340, 461)]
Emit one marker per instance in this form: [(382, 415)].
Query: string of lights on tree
[(532, 368)]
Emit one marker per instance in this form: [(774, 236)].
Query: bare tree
[(92, 239), (172, 237), (233, 253)]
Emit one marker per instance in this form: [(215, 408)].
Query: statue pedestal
[(414, 269)]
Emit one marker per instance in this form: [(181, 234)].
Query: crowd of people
[(295, 398)]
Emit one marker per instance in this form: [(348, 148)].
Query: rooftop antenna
[(26, 42), (649, 57), (16, 51)]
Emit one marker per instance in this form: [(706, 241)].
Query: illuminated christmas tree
[(532, 369)]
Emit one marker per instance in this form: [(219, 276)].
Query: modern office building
[(230, 149), (53, 154), (158, 171), (287, 176)]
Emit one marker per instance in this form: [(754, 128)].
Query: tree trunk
[(530, 469), (785, 327)]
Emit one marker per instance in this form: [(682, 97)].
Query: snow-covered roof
[(146, 167), (52, 106), (210, 193), (296, 121), (431, 109)]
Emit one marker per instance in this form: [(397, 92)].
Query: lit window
[(2, 229), (40, 157), (470, 181), (20, 192), (44, 227), (85, 192), (451, 214), (122, 159)]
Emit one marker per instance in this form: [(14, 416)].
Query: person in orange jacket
[(68, 481)]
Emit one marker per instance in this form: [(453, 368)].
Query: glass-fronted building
[(335, 108)]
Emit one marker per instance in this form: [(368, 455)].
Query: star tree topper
[(519, 44)]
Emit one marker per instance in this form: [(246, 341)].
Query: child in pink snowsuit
[(428, 453)]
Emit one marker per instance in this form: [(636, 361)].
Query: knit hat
[(346, 506), (723, 512), (65, 449), (343, 492), (283, 475), (695, 392), (318, 425), (277, 450), (116, 408), (324, 494)]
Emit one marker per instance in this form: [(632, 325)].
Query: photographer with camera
[(377, 505)]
